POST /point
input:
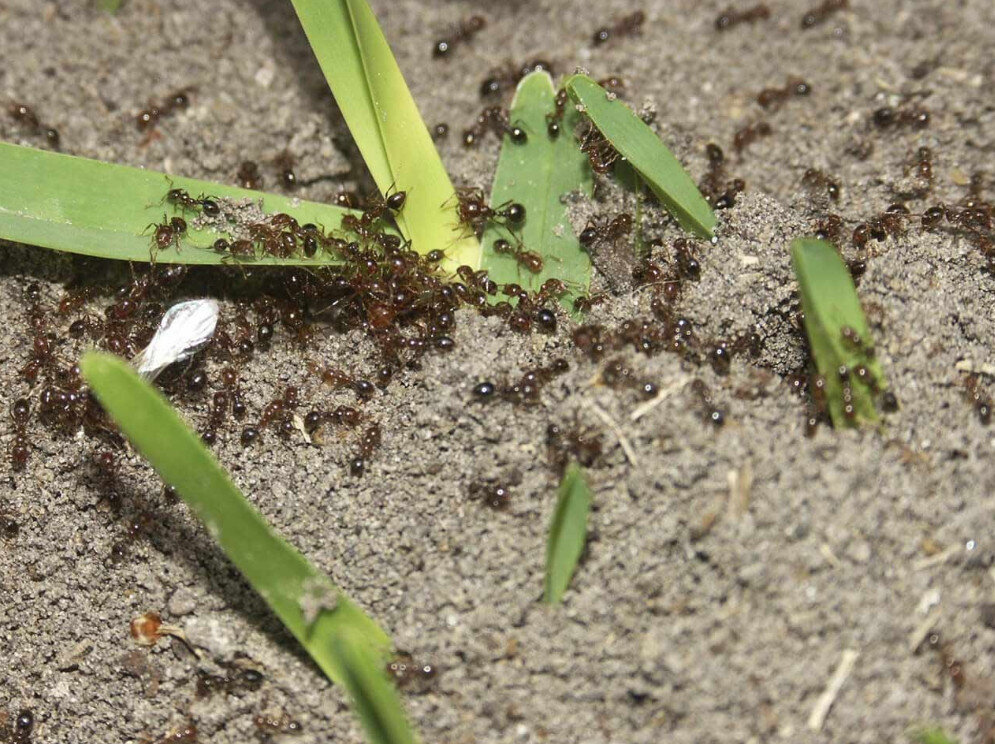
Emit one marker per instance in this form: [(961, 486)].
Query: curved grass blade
[(837, 330), (567, 533), (537, 174), (101, 209), (374, 699), (307, 602), (384, 120), (637, 143)]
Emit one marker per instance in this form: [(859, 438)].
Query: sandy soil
[(707, 610)]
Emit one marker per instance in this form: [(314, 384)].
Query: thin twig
[(630, 454), (917, 636), (828, 697)]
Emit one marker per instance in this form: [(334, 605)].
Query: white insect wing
[(184, 330)]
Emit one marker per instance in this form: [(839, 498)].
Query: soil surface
[(729, 568)]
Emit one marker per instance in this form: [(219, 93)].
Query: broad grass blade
[(384, 120), (100, 209), (310, 606), (637, 143), (567, 533), (837, 330), (537, 174)]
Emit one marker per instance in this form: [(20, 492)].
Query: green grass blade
[(537, 174), (100, 209), (281, 575), (384, 120), (374, 699), (932, 736), (830, 304), (567, 533), (110, 6), (637, 143)]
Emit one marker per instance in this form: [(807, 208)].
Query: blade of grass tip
[(384, 121), (932, 736), (637, 143), (537, 174), (567, 533), (837, 331), (307, 602), (110, 6), (100, 209), (374, 699)]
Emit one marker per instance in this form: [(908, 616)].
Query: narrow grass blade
[(100, 209), (837, 331), (307, 602), (537, 174), (567, 533), (374, 699), (110, 6), (384, 120), (932, 736), (637, 143)]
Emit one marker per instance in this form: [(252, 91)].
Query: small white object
[(828, 697), (184, 330)]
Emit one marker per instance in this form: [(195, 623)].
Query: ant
[(474, 213), (403, 671), (713, 413), (460, 33), (981, 401), (149, 117), (625, 26), (508, 76), (25, 116), (600, 152), (554, 119), (167, 233), (600, 230), (774, 97), (732, 17), (584, 304), (563, 445), (269, 724), (750, 133), (338, 379), (821, 12), (379, 206), (922, 170), (615, 374), (527, 259), (493, 119), (815, 180), (368, 444), (284, 163), (249, 177), (914, 116), (718, 192)]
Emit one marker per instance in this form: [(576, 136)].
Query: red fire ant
[(526, 259), (461, 32)]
